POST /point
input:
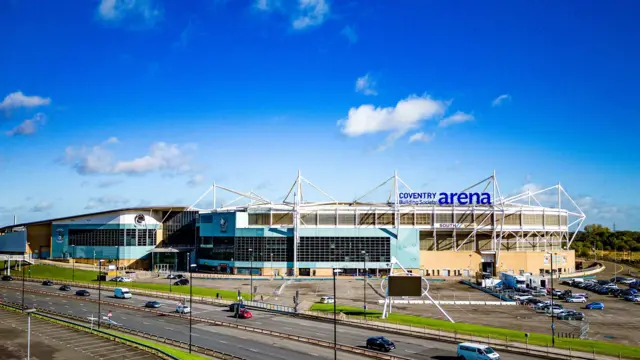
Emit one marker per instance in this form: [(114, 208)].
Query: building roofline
[(137, 208)]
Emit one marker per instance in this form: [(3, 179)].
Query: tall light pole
[(191, 266), (73, 264), (251, 272), (271, 264), (29, 311), (364, 283), (23, 286), (117, 261), (99, 290), (553, 325), (335, 322)]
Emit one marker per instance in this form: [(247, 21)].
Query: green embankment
[(600, 347), (52, 272)]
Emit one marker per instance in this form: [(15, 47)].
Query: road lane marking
[(222, 341), (169, 329)]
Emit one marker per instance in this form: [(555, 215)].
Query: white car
[(522, 297), (576, 299), (183, 309), (627, 281), (121, 279), (554, 311)]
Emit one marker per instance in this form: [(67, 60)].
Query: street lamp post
[(23, 287), (364, 283), (73, 264), (553, 324), (99, 290), (335, 322), (271, 264), (251, 273), (29, 311), (191, 266)]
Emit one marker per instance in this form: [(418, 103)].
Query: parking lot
[(50, 341)]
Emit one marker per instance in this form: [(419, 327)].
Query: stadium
[(477, 230)]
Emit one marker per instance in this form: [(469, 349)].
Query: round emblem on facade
[(59, 236), (139, 219)]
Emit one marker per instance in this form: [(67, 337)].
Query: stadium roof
[(138, 208)]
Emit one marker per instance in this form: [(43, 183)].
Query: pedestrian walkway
[(51, 341)]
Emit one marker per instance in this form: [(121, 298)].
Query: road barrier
[(323, 343), (112, 337)]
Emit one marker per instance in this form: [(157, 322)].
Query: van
[(327, 300), (122, 293), (470, 351)]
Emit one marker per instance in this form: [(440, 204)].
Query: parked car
[(627, 281), (152, 304), (553, 311), (183, 309), (621, 280), (327, 300), (245, 314), (539, 293), (595, 306), (7, 278), (584, 295), (47, 283), (121, 279), (83, 293), (470, 351), (576, 299), (570, 315), (556, 292), (632, 298), (181, 282), (380, 343), (65, 288)]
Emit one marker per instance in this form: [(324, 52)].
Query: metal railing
[(110, 336)]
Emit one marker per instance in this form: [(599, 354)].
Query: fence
[(110, 336)]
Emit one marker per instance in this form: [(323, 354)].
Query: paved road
[(410, 347), (232, 341)]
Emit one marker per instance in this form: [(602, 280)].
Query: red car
[(245, 314)]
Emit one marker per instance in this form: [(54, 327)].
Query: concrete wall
[(13, 242)]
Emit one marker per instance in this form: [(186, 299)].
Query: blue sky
[(115, 103)]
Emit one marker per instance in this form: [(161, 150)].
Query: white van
[(122, 293), (327, 300), (470, 351)]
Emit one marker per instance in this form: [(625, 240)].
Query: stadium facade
[(434, 234)]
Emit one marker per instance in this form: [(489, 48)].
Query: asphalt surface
[(406, 346), (232, 341)]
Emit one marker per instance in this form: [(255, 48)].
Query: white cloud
[(350, 33), (421, 136), (195, 180), (366, 85), (29, 126), (142, 12), (457, 118), (107, 201), (162, 157), (109, 183), (111, 140), (406, 115), (311, 13), (41, 207), (18, 100), (500, 99)]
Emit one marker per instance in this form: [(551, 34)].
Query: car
[(522, 297), (232, 306), (65, 288), (576, 299), (595, 306), (83, 293), (121, 279), (627, 281), (181, 282), (556, 292), (539, 293), (175, 276), (122, 293), (327, 300), (47, 283), (183, 309), (633, 298), (621, 280), (471, 351), (584, 295), (245, 314), (7, 278), (380, 343), (570, 315), (152, 304), (553, 311)]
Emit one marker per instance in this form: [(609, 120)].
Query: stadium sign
[(443, 198), (456, 225)]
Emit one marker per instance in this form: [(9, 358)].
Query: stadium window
[(282, 218), (465, 218), (444, 239), (366, 218), (484, 219), (407, 218), (512, 219), (327, 219), (346, 219), (552, 220), (309, 219), (484, 241), (460, 240), (563, 220), (444, 218), (427, 242), (423, 219), (260, 219), (385, 219)]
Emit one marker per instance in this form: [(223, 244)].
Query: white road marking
[(146, 323), (169, 329), (313, 354), (254, 350), (222, 341), (259, 323), (194, 334)]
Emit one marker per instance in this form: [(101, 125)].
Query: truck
[(511, 281), (122, 293)]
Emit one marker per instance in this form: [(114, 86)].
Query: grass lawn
[(600, 347), (52, 272)]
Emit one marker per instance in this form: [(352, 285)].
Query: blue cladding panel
[(14, 242), (222, 224)]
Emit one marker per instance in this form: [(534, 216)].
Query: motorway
[(407, 346)]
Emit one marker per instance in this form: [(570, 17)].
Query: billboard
[(405, 286)]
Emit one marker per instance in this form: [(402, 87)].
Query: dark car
[(65, 288), (152, 304), (181, 282), (47, 283), (380, 343), (571, 315), (232, 307), (7, 278), (83, 293)]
